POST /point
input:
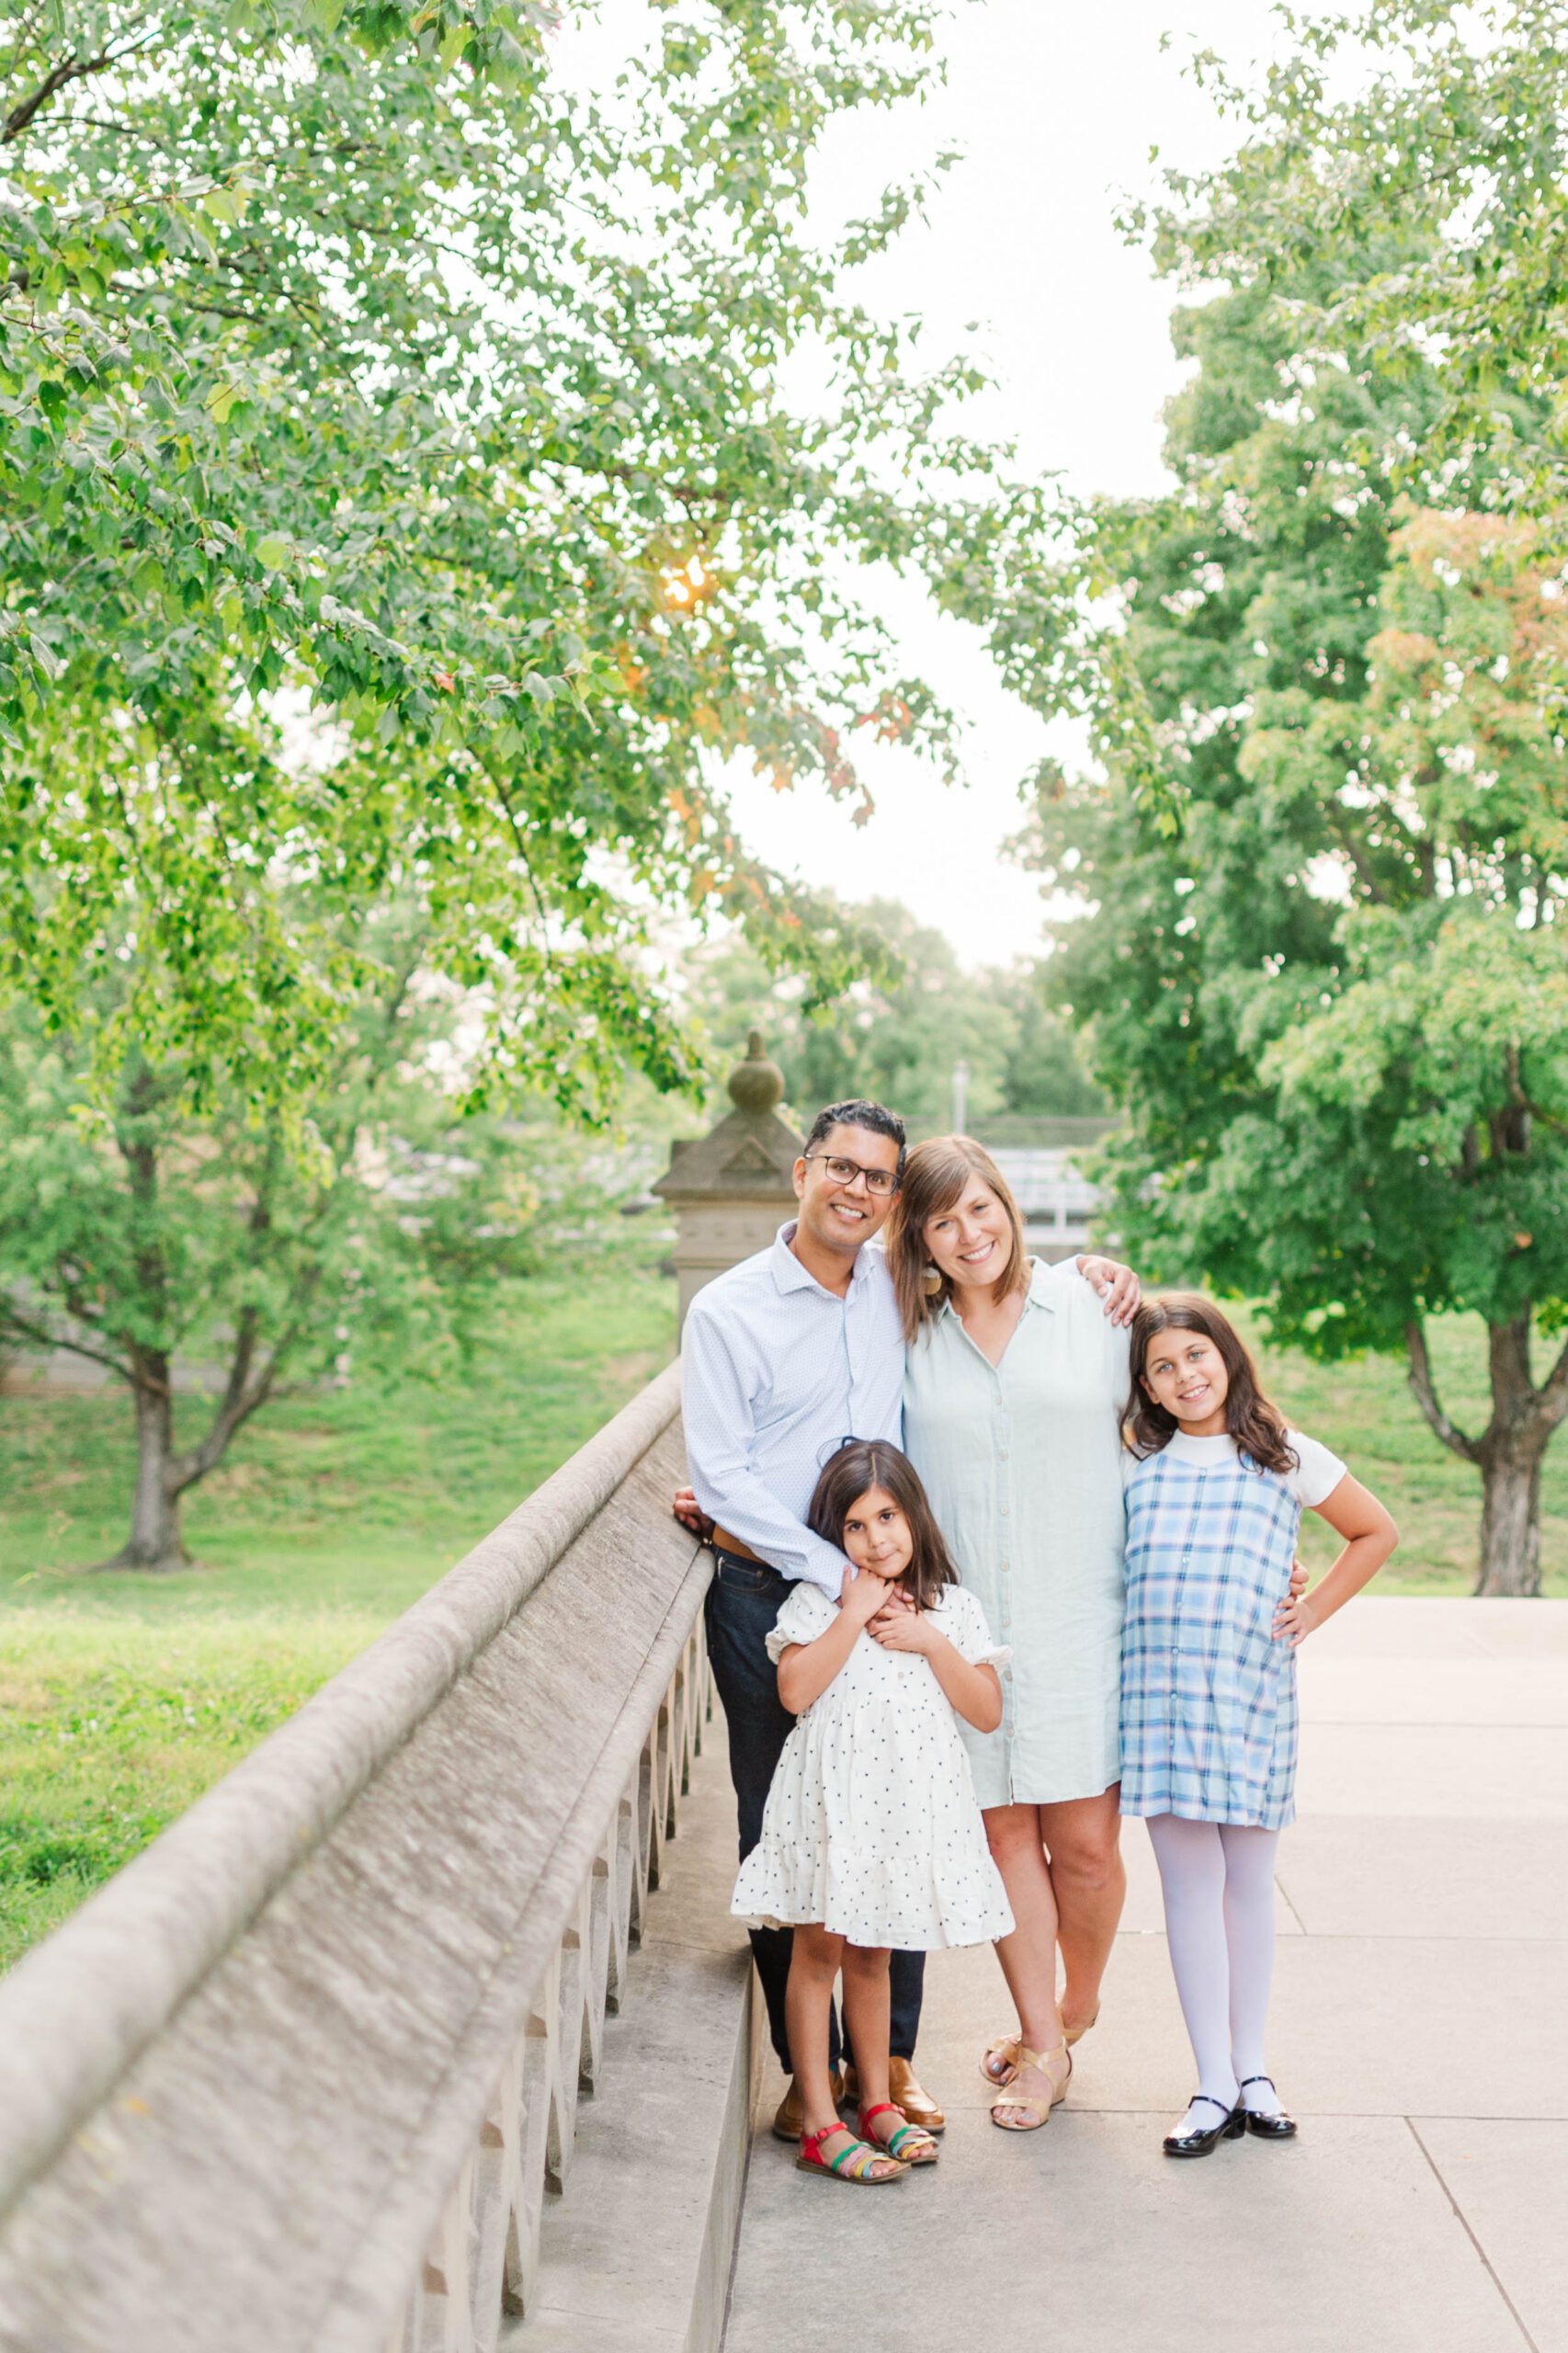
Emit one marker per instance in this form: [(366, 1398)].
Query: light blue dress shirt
[(776, 1374)]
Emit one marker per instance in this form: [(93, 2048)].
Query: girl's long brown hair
[(852, 1472), (935, 1174), (1257, 1426)]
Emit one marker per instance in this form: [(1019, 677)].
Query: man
[(784, 1357)]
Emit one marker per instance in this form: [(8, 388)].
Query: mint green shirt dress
[(1022, 1462)]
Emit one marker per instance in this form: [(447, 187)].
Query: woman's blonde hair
[(933, 1175)]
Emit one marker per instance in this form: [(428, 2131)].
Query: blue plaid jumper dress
[(1208, 1726)]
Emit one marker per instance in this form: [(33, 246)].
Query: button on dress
[(872, 1826), (1022, 1462)]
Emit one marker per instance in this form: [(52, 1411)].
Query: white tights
[(1217, 1883)]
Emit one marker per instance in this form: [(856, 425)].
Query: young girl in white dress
[(1215, 1488), (871, 1840)]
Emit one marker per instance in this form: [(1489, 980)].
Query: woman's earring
[(933, 1282)]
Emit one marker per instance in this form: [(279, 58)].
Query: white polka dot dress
[(871, 1826)]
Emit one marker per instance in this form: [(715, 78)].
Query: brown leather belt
[(722, 1542)]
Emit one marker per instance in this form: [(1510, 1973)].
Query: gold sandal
[(1032, 2115), (1006, 2047)]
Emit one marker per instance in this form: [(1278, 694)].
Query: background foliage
[(896, 1037), (207, 1259), (1326, 975), (349, 365)]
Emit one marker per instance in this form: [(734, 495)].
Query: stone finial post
[(732, 1189)]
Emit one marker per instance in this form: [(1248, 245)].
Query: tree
[(896, 1033), (1442, 1061), (140, 1231), (348, 367), (1325, 975), (1440, 127), (1044, 1076)]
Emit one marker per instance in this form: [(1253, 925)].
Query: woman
[(1014, 1390)]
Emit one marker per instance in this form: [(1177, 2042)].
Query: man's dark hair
[(858, 1114)]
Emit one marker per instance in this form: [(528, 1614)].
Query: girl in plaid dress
[(1215, 1486)]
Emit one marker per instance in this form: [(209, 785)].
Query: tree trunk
[(1510, 1520), (155, 1542), (1509, 1454)]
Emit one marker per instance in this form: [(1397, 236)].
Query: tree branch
[(69, 68), (243, 1397), (25, 1329), (1426, 1396), (1552, 1397), (238, 1406)]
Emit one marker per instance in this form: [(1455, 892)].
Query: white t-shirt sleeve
[(1318, 1470), (807, 1612)]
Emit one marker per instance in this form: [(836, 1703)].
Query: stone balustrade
[(302, 2075)]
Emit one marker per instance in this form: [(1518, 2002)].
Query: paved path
[(1419, 2033)]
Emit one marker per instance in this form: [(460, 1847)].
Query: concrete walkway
[(1419, 2034)]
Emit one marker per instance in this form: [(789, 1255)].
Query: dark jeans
[(742, 1602)]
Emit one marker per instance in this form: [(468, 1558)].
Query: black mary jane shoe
[(1269, 2128), (1193, 2141)]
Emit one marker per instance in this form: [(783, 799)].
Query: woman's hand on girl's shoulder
[(1118, 1286)]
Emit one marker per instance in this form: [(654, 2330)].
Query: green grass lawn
[(1366, 1412), (121, 1698)]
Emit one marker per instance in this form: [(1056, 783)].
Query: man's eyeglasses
[(880, 1181)]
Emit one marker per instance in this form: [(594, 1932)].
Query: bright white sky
[(1055, 109)]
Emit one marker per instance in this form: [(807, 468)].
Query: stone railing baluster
[(308, 2073), (496, 2209)]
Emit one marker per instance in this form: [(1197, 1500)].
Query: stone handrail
[(299, 2076)]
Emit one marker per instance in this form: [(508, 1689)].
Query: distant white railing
[(303, 2073)]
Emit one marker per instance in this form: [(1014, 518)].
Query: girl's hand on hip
[(1296, 1619)]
